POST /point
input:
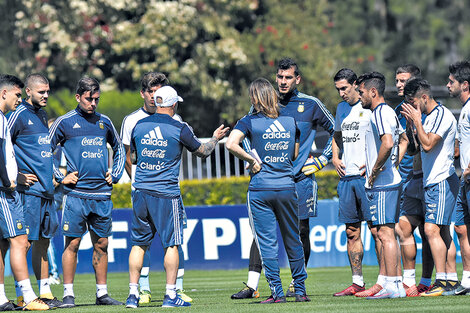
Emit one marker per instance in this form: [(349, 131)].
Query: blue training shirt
[(158, 141), (29, 135), (308, 112), (405, 168), (83, 138), (274, 141)]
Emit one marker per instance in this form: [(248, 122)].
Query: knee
[(353, 234), (431, 231), (101, 245), (461, 230), (72, 245)]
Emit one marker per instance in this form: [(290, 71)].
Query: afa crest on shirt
[(66, 227), (361, 114), (19, 225), (301, 107), (101, 125)]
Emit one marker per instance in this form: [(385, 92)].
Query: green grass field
[(211, 292)]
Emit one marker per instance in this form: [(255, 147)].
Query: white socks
[(101, 290), (171, 290), (134, 289), (409, 277), (466, 279), (68, 290), (253, 279), (358, 280), (179, 279), (381, 280), (27, 290)]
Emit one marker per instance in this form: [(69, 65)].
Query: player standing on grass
[(271, 198), (12, 228), (157, 142), (412, 204), (309, 112), (150, 83), (351, 123), (385, 145), (84, 134), (459, 87), (29, 134), (436, 136)]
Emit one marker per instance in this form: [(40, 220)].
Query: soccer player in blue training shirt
[(83, 134), (459, 87), (157, 142), (411, 201), (309, 112), (12, 228), (272, 199), (151, 81), (29, 134), (386, 144)]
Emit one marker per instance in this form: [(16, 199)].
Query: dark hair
[(7, 80), (152, 79), (415, 87), (87, 84), (347, 74), (461, 71), (372, 79), (287, 63), (36, 78), (412, 69)]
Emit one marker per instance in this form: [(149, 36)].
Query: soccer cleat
[(461, 290), (52, 303), (369, 292), (451, 286), (20, 301), (177, 302), (436, 290), (271, 299), (302, 298), (245, 293), (180, 293), (350, 291), (423, 288), (107, 300), (411, 291), (36, 305), (68, 302), (132, 302), (385, 294), (9, 306), (145, 296), (291, 290)]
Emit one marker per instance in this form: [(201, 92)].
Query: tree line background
[(212, 49)]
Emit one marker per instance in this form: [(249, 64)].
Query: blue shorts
[(307, 192), (152, 214), (440, 200), (384, 204), (11, 215), (413, 198), (462, 214), (81, 215), (40, 216), (353, 205)]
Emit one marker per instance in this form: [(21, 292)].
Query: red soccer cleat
[(411, 291), (350, 291), (423, 288), (369, 292)]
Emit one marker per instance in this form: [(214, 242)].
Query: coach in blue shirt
[(271, 193), (83, 135), (156, 144)]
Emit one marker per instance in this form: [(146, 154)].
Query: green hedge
[(222, 191)]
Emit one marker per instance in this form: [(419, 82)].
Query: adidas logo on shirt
[(76, 126), (276, 131), (30, 123), (154, 138)]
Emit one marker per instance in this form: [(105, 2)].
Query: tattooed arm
[(205, 149)]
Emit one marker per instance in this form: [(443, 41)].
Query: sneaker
[(183, 296), (245, 293), (291, 290), (145, 296), (107, 300), (302, 298), (385, 294), (350, 291), (132, 302), (369, 292), (9, 306), (68, 302), (52, 303), (177, 302), (271, 299), (36, 305), (436, 290), (411, 291), (461, 290), (54, 280), (451, 286), (423, 288)]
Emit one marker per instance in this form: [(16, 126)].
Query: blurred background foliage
[(212, 49)]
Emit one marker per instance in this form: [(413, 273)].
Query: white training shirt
[(9, 152), (463, 135), (438, 164), (383, 121), (352, 120)]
